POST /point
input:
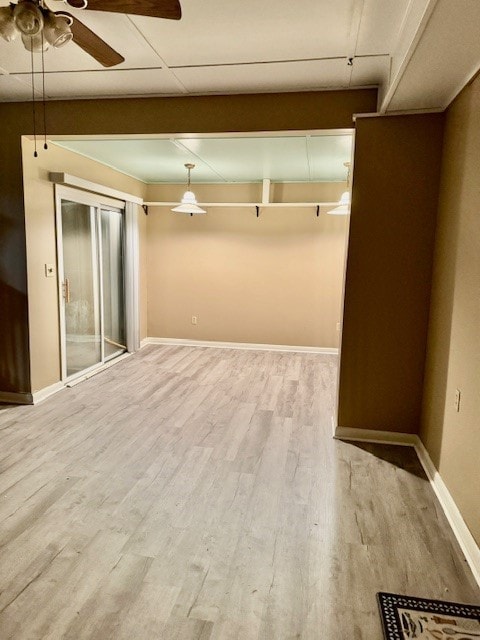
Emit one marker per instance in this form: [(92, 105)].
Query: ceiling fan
[(41, 28)]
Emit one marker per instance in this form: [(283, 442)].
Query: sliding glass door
[(91, 268), (82, 343), (113, 290)]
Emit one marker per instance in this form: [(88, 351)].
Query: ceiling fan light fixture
[(28, 18), (8, 29), (36, 43), (57, 30)]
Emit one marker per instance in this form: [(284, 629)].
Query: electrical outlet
[(194, 319), (457, 399)]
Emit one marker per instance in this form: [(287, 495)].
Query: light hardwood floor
[(194, 493)]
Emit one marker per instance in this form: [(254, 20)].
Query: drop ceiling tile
[(252, 159), (287, 76), (13, 89), (370, 71), (327, 155), (238, 159), (150, 160), (380, 26), (16, 59), (213, 32), (110, 83)]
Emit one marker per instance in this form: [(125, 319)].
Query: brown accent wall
[(14, 361), (388, 278), (275, 279), (453, 438), (260, 112)]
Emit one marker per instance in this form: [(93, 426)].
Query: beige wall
[(276, 279), (189, 114), (41, 248), (453, 438), (388, 280)]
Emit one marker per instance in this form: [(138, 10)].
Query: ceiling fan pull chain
[(35, 154), (45, 145)]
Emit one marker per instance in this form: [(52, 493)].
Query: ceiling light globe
[(57, 30), (28, 18), (37, 43), (8, 30)]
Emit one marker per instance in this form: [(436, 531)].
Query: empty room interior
[(239, 320)]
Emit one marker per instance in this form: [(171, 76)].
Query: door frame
[(96, 201)]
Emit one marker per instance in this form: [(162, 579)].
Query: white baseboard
[(378, 437), (12, 397), (46, 392), (238, 345), (464, 538)]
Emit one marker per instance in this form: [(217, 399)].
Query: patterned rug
[(406, 617)]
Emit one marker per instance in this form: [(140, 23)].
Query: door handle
[(66, 290)]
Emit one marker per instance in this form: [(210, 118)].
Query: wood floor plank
[(197, 494)]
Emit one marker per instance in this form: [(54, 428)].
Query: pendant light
[(189, 201), (343, 208)]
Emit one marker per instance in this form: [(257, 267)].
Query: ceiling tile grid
[(275, 76), (274, 45), (215, 32), (106, 83), (14, 89), (305, 158)]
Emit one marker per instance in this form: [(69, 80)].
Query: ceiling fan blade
[(93, 44), (169, 9)]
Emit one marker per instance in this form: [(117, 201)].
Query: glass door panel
[(80, 287), (113, 295)]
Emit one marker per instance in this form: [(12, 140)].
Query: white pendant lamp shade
[(343, 208), (189, 201)]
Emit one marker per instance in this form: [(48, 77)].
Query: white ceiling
[(418, 52), (295, 158)]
